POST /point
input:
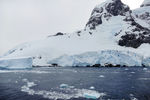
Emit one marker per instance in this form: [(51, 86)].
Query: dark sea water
[(47, 84)]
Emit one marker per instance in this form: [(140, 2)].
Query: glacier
[(16, 63), (103, 58)]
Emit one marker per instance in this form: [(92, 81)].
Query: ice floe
[(92, 87), (101, 76), (91, 95), (132, 72), (145, 69), (144, 78), (67, 94), (132, 97), (64, 86)]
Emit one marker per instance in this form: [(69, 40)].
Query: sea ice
[(101, 76), (30, 84), (145, 69), (55, 95), (64, 85), (92, 87), (91, 95), (133, 72)]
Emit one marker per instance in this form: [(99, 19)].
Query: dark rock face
[(94, 21), (59, 33), (117, 8), (97, 65), (54, 65), (145, 16), (132, 40)]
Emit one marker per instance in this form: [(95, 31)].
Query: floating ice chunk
[(145, 69), (55, 95), (91, 95), (30, 84), (64, 86), (144, 78), (132, 97), (101, 76), (16, 81), (71, 87), (26, 88), (24, 80), (92, 87), (132, 72)]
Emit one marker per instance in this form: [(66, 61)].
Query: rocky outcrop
[(116, 7)]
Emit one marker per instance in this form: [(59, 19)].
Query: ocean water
[(71, 83)]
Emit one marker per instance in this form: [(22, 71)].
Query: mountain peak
[(145, 3), (106, 10)]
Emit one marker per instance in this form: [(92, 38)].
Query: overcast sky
[(26, 20)]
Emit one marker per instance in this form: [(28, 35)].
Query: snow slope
[(112, 30)]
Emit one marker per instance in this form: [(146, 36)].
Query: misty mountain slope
[(143, 12), (112, 26), (145, 3)]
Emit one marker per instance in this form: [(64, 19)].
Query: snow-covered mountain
[(113, 35)]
